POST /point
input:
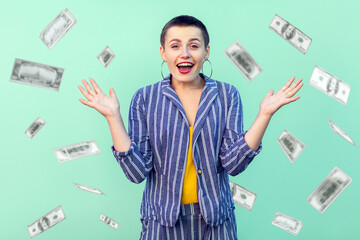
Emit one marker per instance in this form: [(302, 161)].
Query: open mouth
[(185, 67)]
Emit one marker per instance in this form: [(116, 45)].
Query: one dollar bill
[(109, 221), (49, 220), (57, 28), (287, 223), (330, 85), (290, 33), (35, 127), (242, 196), (291, 145), (242, 60), (77, 150), (36, 74), (329, 189)]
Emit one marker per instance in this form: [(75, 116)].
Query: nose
[(185, 52)]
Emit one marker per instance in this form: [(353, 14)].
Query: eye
[(174, 46), (194, 46)]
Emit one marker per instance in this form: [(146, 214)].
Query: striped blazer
[(159, 130)]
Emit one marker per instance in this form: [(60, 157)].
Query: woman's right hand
[(107, 106)]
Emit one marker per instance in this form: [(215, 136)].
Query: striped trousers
[(190, 226)]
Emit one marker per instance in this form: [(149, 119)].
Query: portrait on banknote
[(332, 86), (288, 31), (43, 224)]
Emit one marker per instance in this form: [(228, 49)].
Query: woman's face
[(184, 51)]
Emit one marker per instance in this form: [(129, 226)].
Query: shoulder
[(149, 90), (226, 90)]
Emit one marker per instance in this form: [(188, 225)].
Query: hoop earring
[(161, 69), (210, 67)]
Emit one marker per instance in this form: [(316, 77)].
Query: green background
[(33, 182)]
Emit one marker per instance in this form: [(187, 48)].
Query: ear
[(207, 50), (162, 53)]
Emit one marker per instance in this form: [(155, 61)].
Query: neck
[(197, 83)]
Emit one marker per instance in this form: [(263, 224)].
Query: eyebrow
[(191, 39)]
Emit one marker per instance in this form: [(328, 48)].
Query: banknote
[(290, 33), (50, 219), (77, 150), (329, 189), (330, 85), (109, 221), (35, 127), (106, 56), (238, 55), (287, 223), (57, 28), (87, 188), (291, 145), (340, 132), (36, 74), (242, 196)]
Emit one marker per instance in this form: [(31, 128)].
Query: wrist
[(113, 117), (264, 115)]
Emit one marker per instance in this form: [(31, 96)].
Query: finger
[(85, 93), (112, 93), (95, 86), (87, 103), (289, 100), (295, 90), (287, 84), (88, 88), (294, 85), (270, 92)]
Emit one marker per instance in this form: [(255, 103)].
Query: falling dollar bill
[(50, 219), (238, 55), (109, 221), (35, 127), (330, 85), (36, 74), (287, 223), (242, 196), (89, 189), (106, 56), (329, 189), (58, 27), (341, 132), (290, 33), (77, 150), (291, 145)]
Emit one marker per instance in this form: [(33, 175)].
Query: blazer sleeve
[(235, 154), (137, 161)]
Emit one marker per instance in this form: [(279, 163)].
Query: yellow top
[(189, 189)]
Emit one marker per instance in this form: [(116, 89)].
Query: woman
[(185, 137)]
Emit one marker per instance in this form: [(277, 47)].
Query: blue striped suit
[(159, 130)]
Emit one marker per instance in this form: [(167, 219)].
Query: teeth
[(185, 64)]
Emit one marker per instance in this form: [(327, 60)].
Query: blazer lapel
[(208, 96), (169, 91)]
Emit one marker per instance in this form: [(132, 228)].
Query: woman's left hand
[(273, 102)]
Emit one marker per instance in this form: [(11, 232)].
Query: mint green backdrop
[(33, 182)]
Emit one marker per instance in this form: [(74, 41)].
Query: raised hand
[(107, 106), (273, 102)]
